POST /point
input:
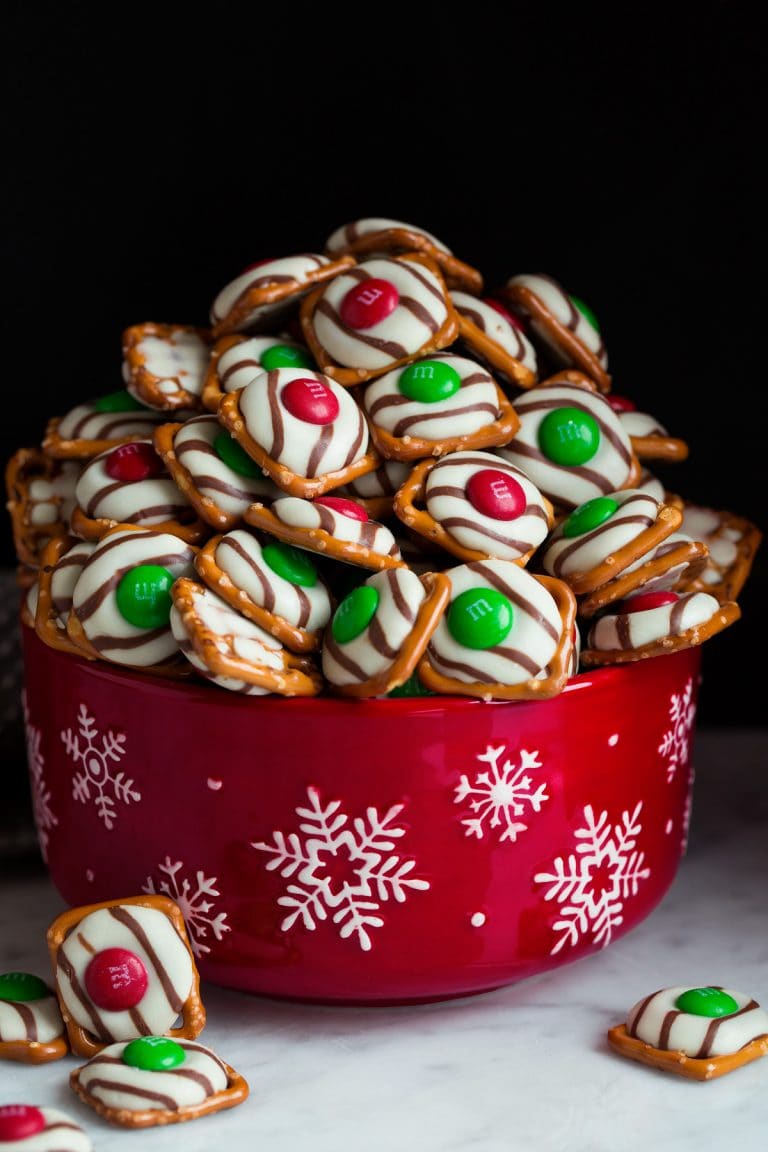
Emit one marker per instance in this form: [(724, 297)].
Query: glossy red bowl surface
[(379, 851)]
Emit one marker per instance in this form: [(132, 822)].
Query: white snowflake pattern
[(675, 743), (501, 794), (346, 873), (96, 781), (592, 884), (193, 904), (41, 796)]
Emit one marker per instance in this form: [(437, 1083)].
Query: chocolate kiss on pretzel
[(236, 358), (495, 336), (98, 425), (31, 1027), (377, 316), (330, 525), (62, 561), (164, 364), (41, 492), (123, 969), (732, 542), (650, 439), (475, 505)]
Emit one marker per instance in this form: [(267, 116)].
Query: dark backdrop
[(151, 154)]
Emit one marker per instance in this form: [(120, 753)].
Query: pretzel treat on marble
[(380, 630), (475, 505), (650, 439), (121, 601), (732, 542), (495, 336), (232, 651), (375, 491), (40, 495), (273, 584), (156, 1080), (62, 561), (265, 291), (129, 484), (571, 443), (28, 1128), (651, 623), (164, 365), (31, 1027), (217, 476), (306, 432), (378, 315), (505, 635), (237, 358), (700, 1033), (124, 968), (100, 424), (377, 236), (333, 526), (439, 404), (564, 326)]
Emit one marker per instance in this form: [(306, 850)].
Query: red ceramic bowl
[(378, 851)]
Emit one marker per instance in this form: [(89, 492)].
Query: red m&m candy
[(620, 403), (308, 399), (344, 507), (644, 601), (496, 494), (368, 303), (19, 1122), (510, 317), (131, 462), (116, 979)]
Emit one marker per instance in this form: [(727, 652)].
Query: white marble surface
[(525, 1067)]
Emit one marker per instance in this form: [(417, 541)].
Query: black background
[(151, 153)]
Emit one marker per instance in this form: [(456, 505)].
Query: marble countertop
[(524, 1067)]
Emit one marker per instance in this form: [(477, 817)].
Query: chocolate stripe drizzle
[(129, 921)]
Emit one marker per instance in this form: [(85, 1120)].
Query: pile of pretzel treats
[(371, 474)]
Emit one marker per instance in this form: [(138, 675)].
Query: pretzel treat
[(650, 439), (700, 1033), (237, 358), (121, 601), (31, 1027), (62, 561), (436, 405), (124, 968), (217, 476), (99, 424), (650, 623), (496, 336), (269, 288), (377, 316), (565, 327), (732, 542), (505, 635), (129, 484), (475, 505), (40, 496), (164, 364), (155, 1080), (230, 650), (304, 430), (606, 537), (28, 1128), (274, 585), (571, 443), (331, 525), (380, 630), (376, 490), (377, 236), (665, 568)]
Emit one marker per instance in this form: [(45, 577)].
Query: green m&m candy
[(144, 596), (586, 312), (706, 1002), (153, 1054), (355, 613), (235, 456), (429, 381), (480, 617), (285, 356), (589, 515), (411, 687), (21, 986), (121, 401), (291, 563), (569, 436)]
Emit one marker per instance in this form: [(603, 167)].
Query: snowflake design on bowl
[(675, 744), (43, 816), (592, 884), (501, 794), (195, 908), (96, 782), (347, 873)]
